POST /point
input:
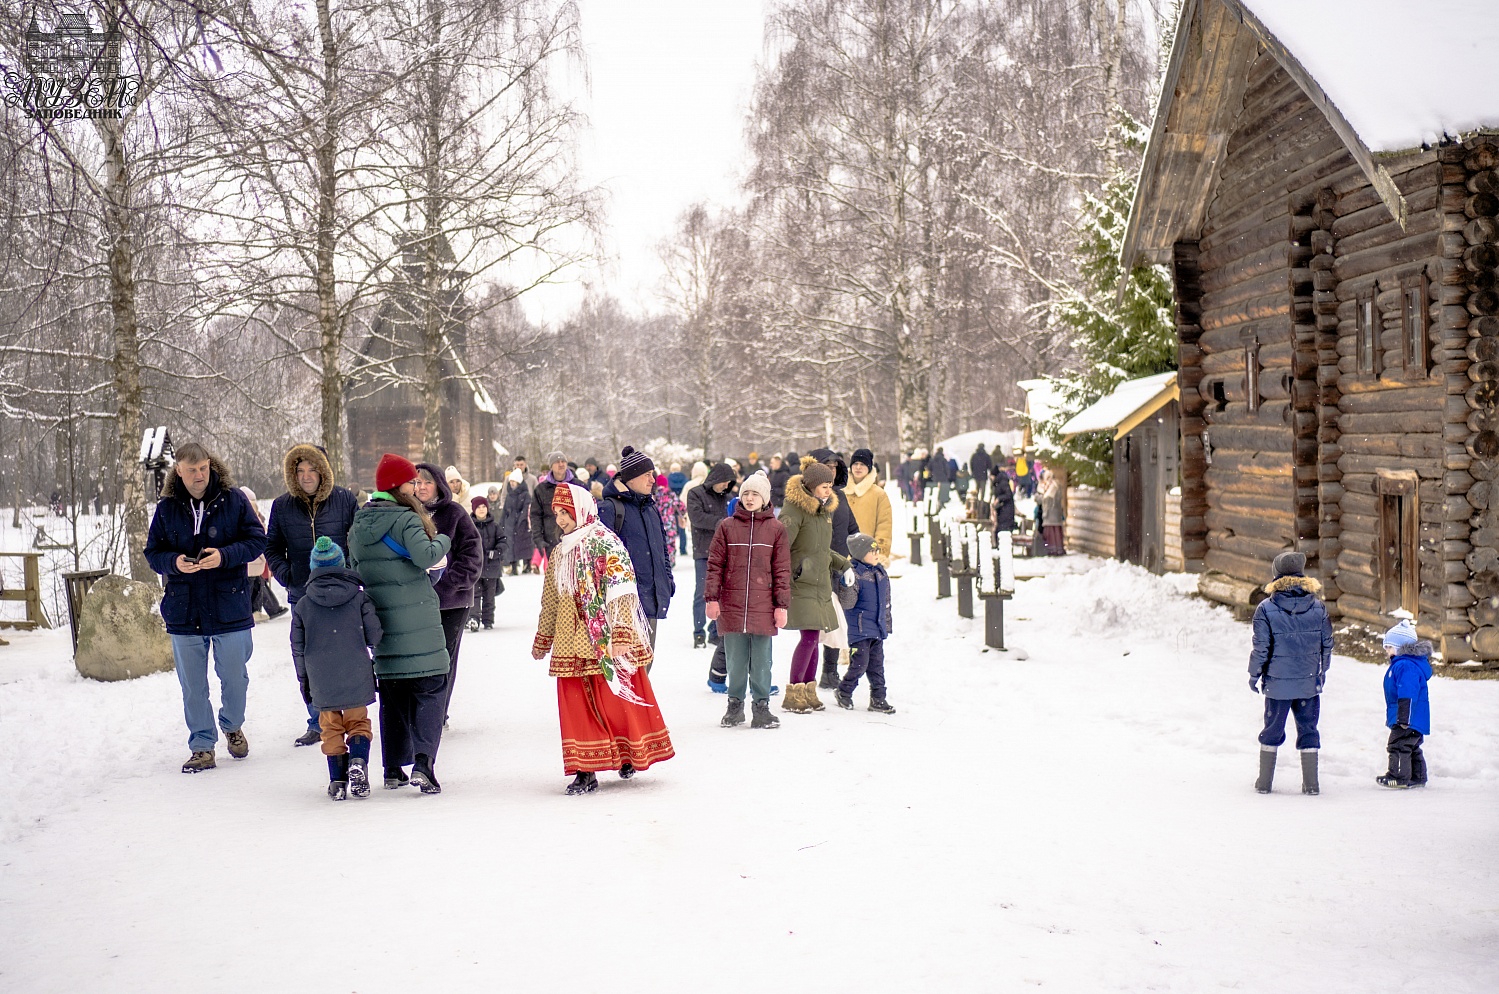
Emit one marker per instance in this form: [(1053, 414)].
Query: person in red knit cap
[(392, 544)]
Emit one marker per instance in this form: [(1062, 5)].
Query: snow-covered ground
[(1075, 815)]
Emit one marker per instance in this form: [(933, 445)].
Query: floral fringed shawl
[(594, 568)]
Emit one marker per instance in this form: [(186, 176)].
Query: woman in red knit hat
[(392, 544), (592, 625)]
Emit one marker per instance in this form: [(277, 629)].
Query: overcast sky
[(667, 94)]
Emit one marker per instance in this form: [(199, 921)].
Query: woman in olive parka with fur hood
[(807, 515)]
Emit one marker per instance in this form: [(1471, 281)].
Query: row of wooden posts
[(958, 561)]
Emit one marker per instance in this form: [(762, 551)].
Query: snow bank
[(1074, 814)]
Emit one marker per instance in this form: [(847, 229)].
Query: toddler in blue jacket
[(1292, 651), (1407, 707), (866, 606)]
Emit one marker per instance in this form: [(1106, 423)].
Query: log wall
[(1466, 311), (1090, 521), (1252, 459)]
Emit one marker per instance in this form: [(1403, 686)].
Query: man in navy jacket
[(202, 536), (629, 510)]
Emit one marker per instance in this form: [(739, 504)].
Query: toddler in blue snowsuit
[(1291, 655), (1407, 707), (866, 606)]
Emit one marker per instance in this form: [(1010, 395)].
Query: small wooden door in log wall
[(1146, 468)]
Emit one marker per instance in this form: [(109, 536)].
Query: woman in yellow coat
[(869, 502)]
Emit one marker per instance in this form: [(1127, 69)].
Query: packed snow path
[(1076, 815)]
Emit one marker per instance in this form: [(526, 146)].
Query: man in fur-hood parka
[(311, 508), (1289, 662)]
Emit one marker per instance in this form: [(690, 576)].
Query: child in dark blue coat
[(1291, 655), (1407, 707), (334, 629), (866, 605)]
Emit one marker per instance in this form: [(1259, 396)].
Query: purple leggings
[(804, 657)]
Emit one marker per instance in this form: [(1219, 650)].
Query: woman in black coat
[(455, 590), (515, 523)]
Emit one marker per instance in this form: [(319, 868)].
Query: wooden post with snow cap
[(941, 555), (915, 536), (964, 575), (994, 609)]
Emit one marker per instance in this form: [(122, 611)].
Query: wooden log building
[(385, 406), (1333, 241)]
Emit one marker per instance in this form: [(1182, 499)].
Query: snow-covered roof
[(1404, 74), (1043, 402), (1388, 75), (1124, 409)]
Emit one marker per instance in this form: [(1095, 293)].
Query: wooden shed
[(1142, 415), (1321, 180), (385, 408)]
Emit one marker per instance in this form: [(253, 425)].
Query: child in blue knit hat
[(1407, 707), (334, 630)]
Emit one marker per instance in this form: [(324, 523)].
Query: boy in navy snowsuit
[(866, 605), (1291, 655), (1407, 707), (334, 629)]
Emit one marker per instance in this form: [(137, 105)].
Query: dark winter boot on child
[(1289, 661)]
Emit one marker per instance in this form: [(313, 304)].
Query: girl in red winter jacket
[(748, 589)]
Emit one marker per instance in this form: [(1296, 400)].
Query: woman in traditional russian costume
[(592, 625)]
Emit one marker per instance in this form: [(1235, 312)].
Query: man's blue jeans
[(230, 654)]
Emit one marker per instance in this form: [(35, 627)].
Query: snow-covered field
[(1074, 815)]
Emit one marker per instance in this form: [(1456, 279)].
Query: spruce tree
[(1117, 338)]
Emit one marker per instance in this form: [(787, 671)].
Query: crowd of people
[(382, 587)]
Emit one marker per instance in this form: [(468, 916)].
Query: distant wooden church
[(1321, 180), (384, 406)]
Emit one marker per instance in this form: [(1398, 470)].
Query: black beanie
[(864, 456), (633, 463)]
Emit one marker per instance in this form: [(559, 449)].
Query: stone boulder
[(120, 631)]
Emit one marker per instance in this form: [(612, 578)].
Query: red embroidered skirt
[(600, 731)]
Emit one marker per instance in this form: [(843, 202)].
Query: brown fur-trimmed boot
[(809, 696), (791, 700)]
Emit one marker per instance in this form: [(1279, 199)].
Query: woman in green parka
[(392, 544), (807, 515)]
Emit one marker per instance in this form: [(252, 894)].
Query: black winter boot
[(830, 678), (762, 716), (423, 777), (881, 705), (1399, 777), (1418, 769), (338, 777), (626, 770), (699, 639), (1309, 783), (583, 783), (396, 777), (735, 713), (1267, 769), (845, 701)]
